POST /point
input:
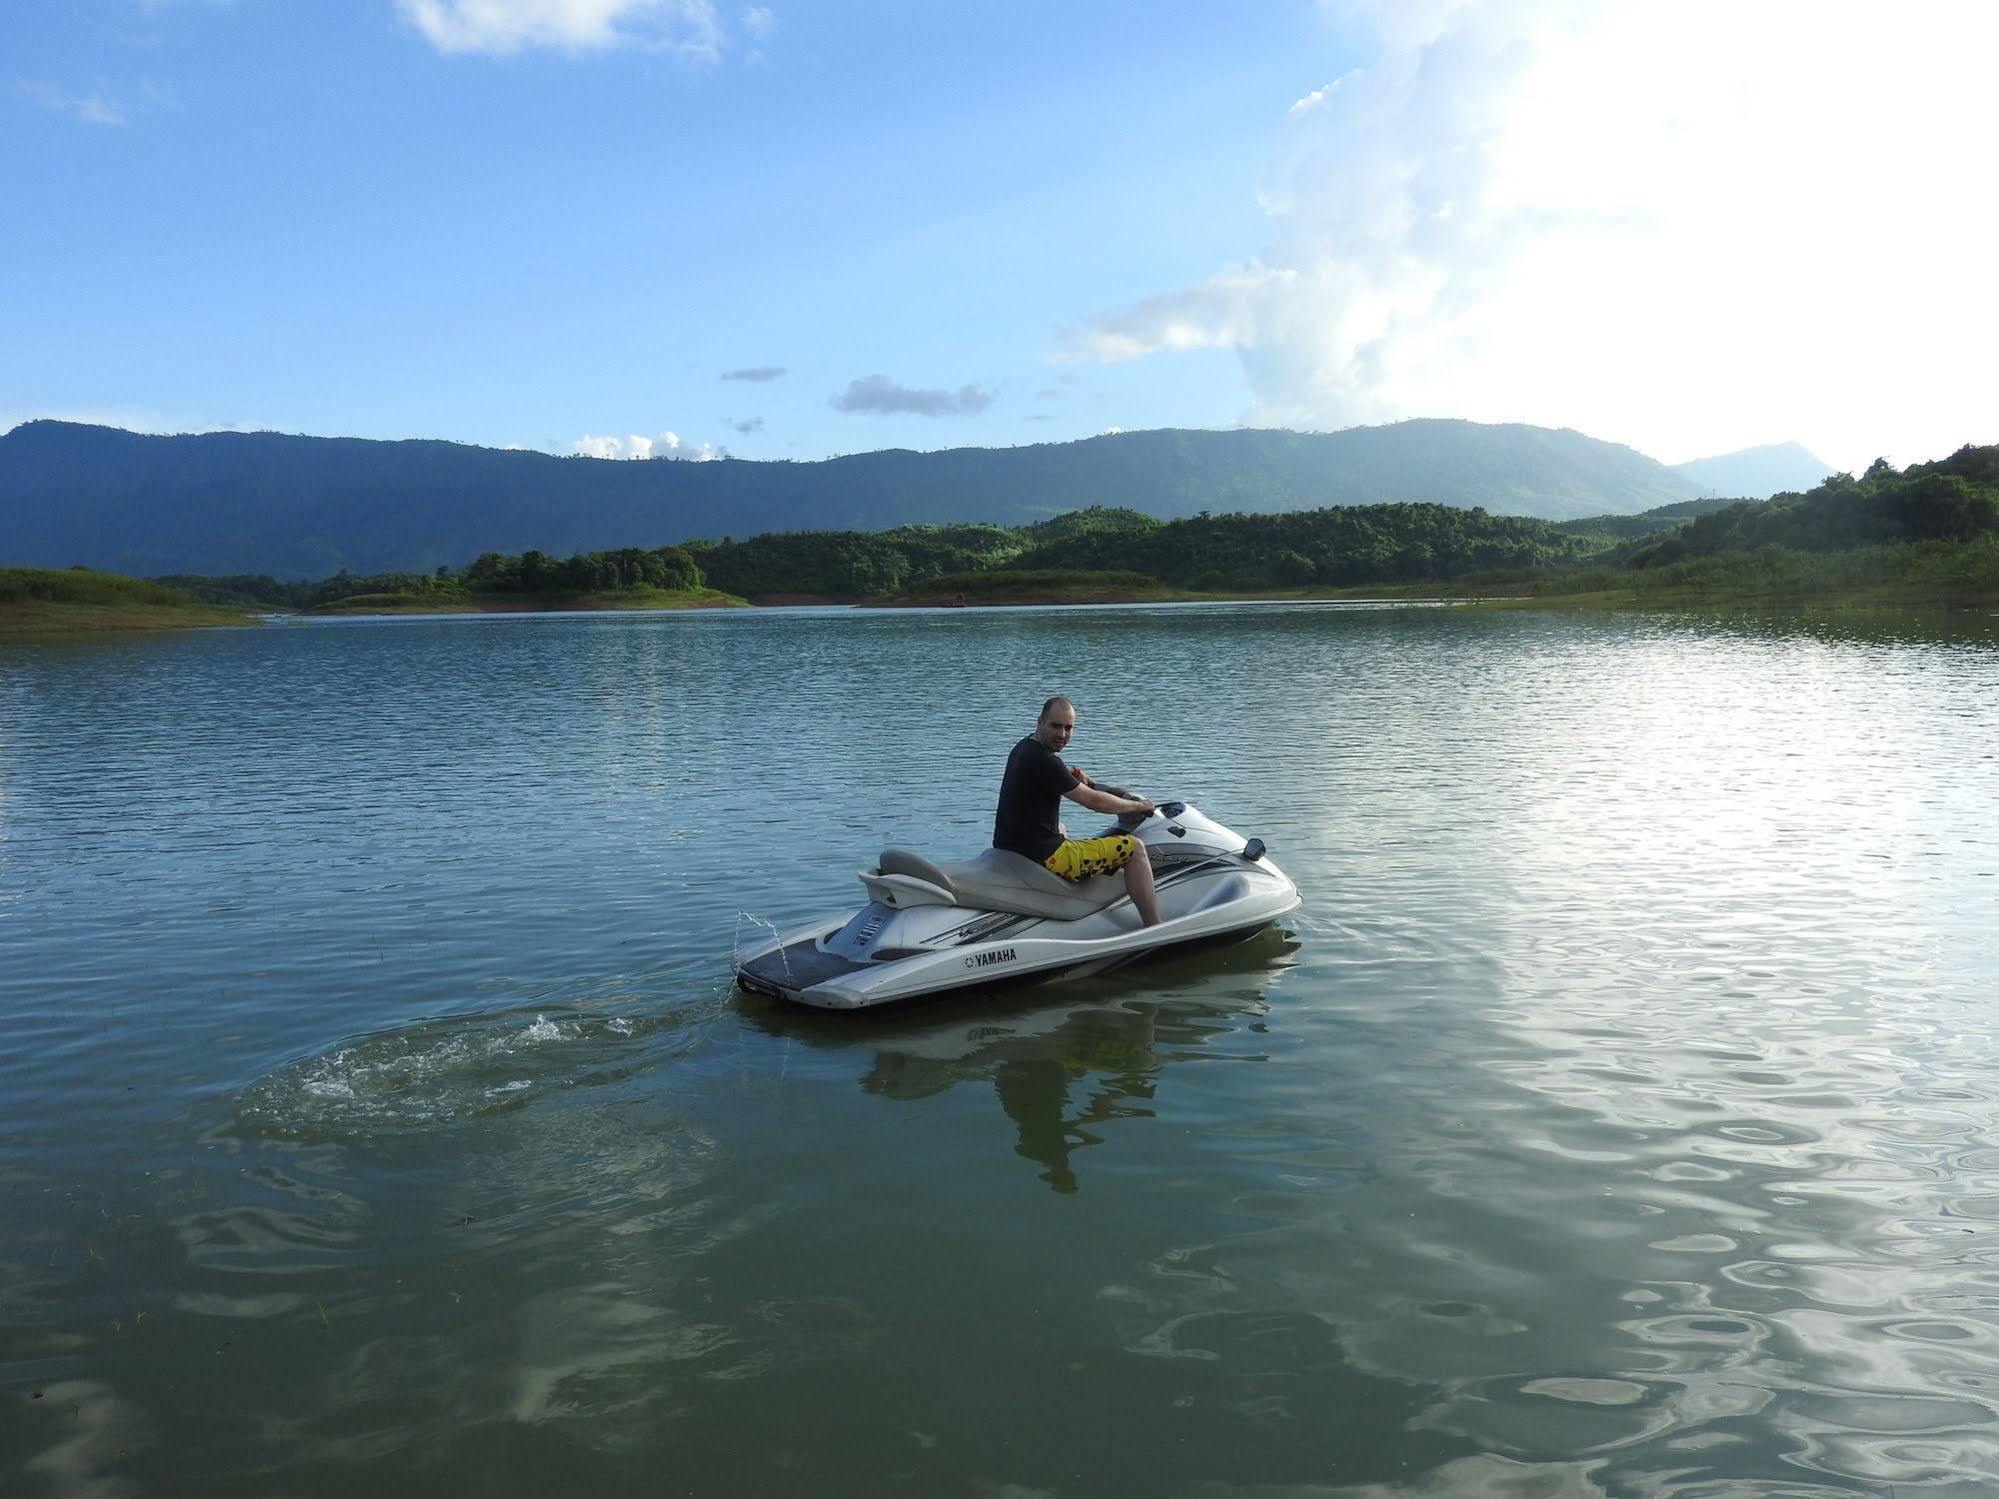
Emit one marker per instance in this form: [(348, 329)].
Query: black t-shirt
[(1029, 817)]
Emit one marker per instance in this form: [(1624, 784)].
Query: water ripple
[(452, 1070)]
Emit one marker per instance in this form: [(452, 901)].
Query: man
[(1028, 820)]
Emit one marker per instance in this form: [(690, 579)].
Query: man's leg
[(1138, 877)]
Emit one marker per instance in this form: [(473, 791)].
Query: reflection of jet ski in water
[(930, 927)]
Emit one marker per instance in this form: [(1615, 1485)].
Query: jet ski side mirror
[(1253, 850)]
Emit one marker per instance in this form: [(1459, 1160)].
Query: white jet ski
[(931, 927)]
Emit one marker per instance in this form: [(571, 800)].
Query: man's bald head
[(1057, 723)]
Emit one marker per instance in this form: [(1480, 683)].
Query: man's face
[(1056, 727)]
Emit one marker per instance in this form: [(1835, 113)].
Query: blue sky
[(561, 223)]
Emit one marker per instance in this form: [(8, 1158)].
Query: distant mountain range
[(1757, 473), (307, 507)]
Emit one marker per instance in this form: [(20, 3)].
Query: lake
[(1619, 1115)]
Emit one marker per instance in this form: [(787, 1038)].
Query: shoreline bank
[(1495, 597), (41, 619), (584, 603)]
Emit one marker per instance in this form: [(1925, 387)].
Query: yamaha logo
[(987, 959)]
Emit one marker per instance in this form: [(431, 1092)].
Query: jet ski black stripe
[(981, 927), (799, 966), (994, 933)]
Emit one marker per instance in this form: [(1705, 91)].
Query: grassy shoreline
[(1687, 598), (1038, 587), (1933, 575), (40, 604), (42, 620), (43, 603)]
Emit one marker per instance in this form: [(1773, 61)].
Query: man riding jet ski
[(1029, 823), (1161, 874)]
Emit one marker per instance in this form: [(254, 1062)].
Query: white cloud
[(688, 27), (1679, 223), (666, 445), (94, 108), (759, 22), (1313, 100)]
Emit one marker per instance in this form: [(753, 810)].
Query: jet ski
[(931, 927)]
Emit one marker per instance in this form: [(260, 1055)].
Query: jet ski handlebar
[(1165, 809)]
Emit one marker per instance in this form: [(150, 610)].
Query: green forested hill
[(1953, 499), (1926, 534), (1931, 521), (308, 507), (1333, 546), (1646, 522), (1360, 544)]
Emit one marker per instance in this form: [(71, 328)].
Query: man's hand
[(1081, 778), (1099, 800)]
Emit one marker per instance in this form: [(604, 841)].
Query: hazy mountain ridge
[(1757, 473), (295, 506)]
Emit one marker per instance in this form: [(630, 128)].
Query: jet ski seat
[(1000, 880)]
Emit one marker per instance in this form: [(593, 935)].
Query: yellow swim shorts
[(1079, 858)]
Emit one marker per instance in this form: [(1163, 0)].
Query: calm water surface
[(1618, 1116)]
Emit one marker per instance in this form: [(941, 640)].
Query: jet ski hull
[(916, 941)]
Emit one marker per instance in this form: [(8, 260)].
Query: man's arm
[(1102, 801)]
